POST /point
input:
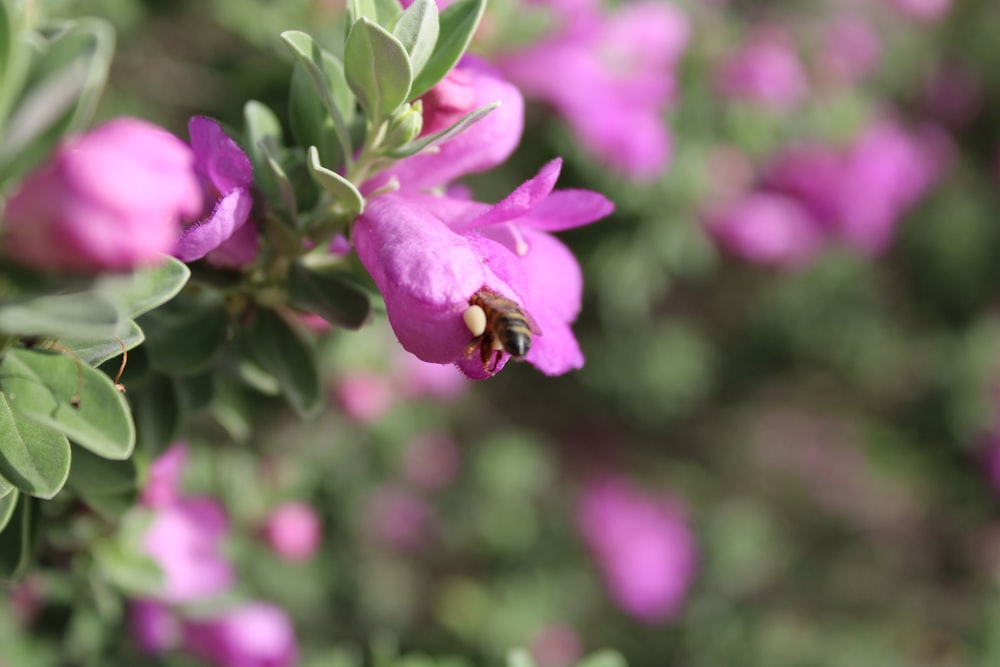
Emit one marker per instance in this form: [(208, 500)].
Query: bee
[(498, 325)]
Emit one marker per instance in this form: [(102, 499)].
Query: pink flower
[(154, 626), (226, 176), (253, 635), (767, 71), (770, 229), (364, 397), (611, 77), (293, 531), (429, 256), (418, 378), (644, 548), (109, 199), (185, 534)]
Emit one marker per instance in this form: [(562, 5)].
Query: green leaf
[(147, 288), (383, 12), (277, 173), (314, 60), (194, 392), (34, 458), (109, 487), (81, 315), (6, 487), (342, 190), (9, 502), (458, 22), (184, 338), (461, 125), (18, 543), (43, 387), (14, 56), (261, 125), (287, 356), (157, 413), (96, 351), (605, 658), (329, 294), (377, 69), (311, 124), (417, 31), (70, 76)]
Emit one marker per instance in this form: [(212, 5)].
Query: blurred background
[(783, 448)]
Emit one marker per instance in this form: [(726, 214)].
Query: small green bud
[(405, 125)]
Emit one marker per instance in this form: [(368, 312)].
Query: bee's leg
[(485, 351)]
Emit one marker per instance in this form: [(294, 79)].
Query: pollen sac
[(475, 320)]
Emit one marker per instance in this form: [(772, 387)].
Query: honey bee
[(498, 325)]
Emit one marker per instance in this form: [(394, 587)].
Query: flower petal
[(217, 157), (524, 197), (230, 214), (566, 209)]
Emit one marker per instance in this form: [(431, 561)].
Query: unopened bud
[(405, 125)]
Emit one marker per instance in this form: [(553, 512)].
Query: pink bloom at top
[(770, 229), (929, 11), (110, 199), (611, 77), (767, 71), (483, 146), (226, 176), (644, 548), (253, 635), (430, 255), (293, 530)]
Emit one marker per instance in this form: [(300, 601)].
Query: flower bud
[(110, 199), (405, 125)]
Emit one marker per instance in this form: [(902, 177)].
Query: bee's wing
[(532, 324)]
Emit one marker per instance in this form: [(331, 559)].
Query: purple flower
[(253, 635), (770, 229), (644, 548), (363, 396), (112, 199), (226, 177), (293, 531), (611, 77), (851, 49), (766, 70), (154, 626), (429, 256)]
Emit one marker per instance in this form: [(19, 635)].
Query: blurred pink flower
[(399, 519), (557, 646), (929, 11), (644, 549), (185, 534), (851, 49), (293, 530), (364, 397), (154, 626), (432, 461), (766, 70), (769, 229), (417, 379), (226, 178), (253, 635), (110, 199), (611, 76)]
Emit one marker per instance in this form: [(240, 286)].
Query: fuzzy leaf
[(43, 387), (342, 190), (81, 315), (417, 31), (261, 125), (34, 458), (183, 339), (18, 543), (7, 505), (96, 351), (377, 68), (458, 22), (147, 288)]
